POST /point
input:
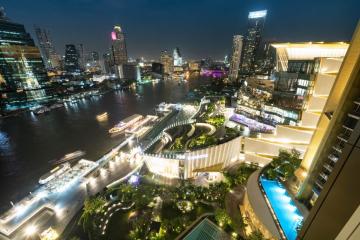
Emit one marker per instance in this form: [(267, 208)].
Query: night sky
[(201, 28)]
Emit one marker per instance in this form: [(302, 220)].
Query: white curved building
[(189, 164)]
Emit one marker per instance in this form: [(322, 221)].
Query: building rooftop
[(310, 50), (206, 230)]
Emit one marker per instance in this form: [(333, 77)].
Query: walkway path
[(232, 201)]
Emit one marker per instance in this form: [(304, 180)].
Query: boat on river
[(126, 123)]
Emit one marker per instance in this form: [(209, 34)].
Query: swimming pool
[(284, 207)]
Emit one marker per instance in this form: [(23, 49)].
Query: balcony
[(333, 158), (319, 186), (354, 114), (324, 176), (336, 148), (357, 101), (350, 123), (328, 167)]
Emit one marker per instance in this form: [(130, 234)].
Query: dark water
[(29, 142)]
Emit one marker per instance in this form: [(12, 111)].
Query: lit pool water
[(284, 207)]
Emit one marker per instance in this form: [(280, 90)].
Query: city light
[(258, 14), (31, 230), (113, 35)]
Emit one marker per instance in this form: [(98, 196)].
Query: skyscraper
[(81, 52), (235, 57), (107, 63), (328, 175), (178, 61), (22, 71), (256, 21), (167, 62), (71, 59), (50, 57), (118, 47)]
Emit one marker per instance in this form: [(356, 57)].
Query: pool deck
[(260, 206)]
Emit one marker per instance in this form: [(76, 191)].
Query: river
[(28, 142)]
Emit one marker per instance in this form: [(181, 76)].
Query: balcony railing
[(328, 167)]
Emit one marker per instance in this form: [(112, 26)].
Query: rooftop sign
[(257, 14)]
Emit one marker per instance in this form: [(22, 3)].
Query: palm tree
[(92, 206)]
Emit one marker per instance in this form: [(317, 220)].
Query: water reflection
[(29, 142)]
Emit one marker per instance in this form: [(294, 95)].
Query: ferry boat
[(42, 110), (69, 156), (54, 173), (127, 122), (140, 124), (102, 117)]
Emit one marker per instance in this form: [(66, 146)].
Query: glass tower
[(235, 57), (51, 58), (22, 71), (71, 59), (252, 41)]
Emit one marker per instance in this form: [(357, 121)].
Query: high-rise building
[(93, 62), (294, 125), (22, 70), (235, 57), (157, 68), (81, 52), (118, 47), (167, 62), (256, 21), (50, 57), (71, 59), (178, 61), (328, 175), (107, 63), (326, 187), (128, 71)]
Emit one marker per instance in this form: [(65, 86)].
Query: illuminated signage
[(257, 14), (113, 36)]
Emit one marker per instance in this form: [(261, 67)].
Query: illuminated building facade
[(72, 64), (235, 57), (22, 71), (194, 66), (191, 163), (50, 57), (256, 21), (118, 47), (167, 61), (328, 175), (93, 62), (298, 134), (178, 61)]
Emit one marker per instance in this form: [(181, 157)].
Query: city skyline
[(148, 34)]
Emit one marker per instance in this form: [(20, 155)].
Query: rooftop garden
[(208, 130), (284, 165), (145, 210)]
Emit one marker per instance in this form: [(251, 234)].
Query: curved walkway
[(207, 125)]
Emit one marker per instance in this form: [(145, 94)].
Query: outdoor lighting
[(31, 230), (58, 211), (134, 179), (41, 194), (19, 209), (49, 234)]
